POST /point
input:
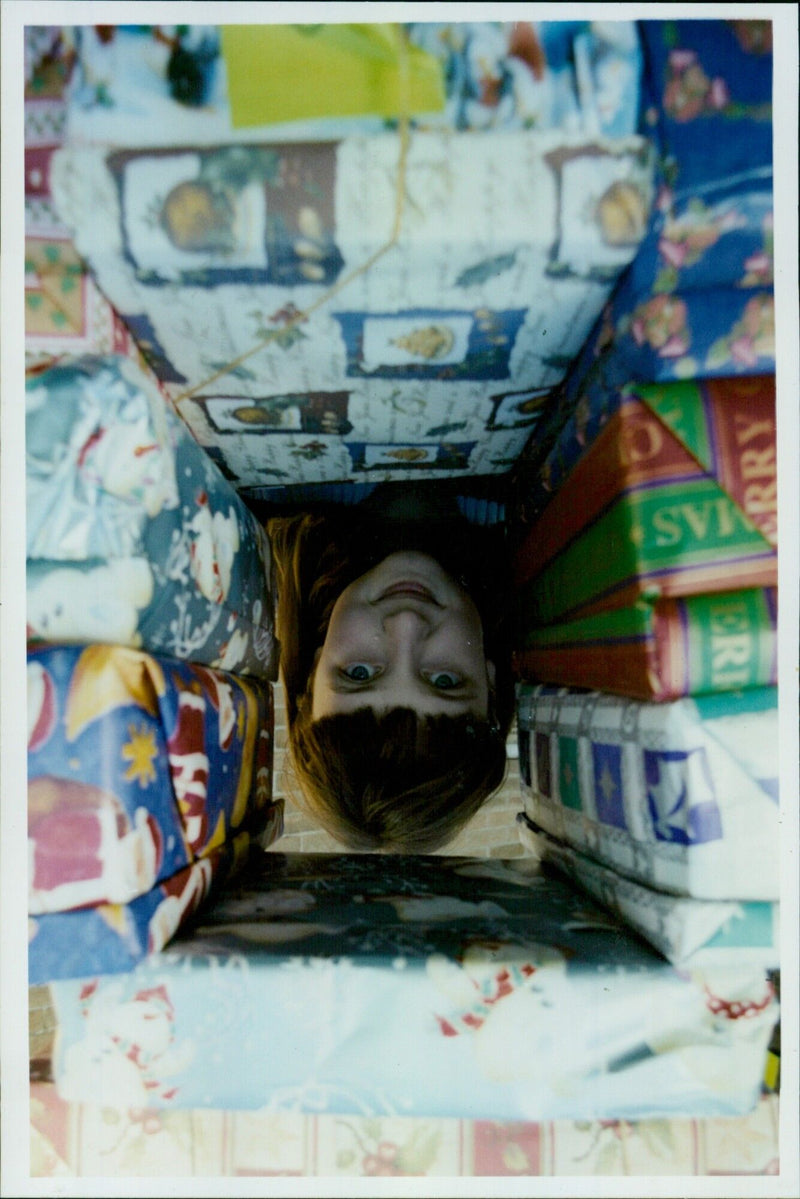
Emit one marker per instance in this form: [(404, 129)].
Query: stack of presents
[(510, 256)]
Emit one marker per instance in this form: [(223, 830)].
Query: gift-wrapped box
[(676, 495), (110, 938), (467, 981), (137, 767), (681, 796), (697, 301), (713, 332), (65, 313), (707, 96), (134, 537), (375, 308), (701, 242), (660, 649), (689, 932), (203, 83)]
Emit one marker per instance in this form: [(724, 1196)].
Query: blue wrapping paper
[(137, 767), (467, 981), (111, 938), (134, 537), (707, 97)]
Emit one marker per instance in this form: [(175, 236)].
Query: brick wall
[(490, 833)]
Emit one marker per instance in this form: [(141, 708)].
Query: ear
[(491, 674)]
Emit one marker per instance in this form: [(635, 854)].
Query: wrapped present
[(714, 332), (707, 97), (111, 938), (382, 307), (140, 85), (65, 312), (660, 649), (689, 932), (697, 301), (134, 537), (680, 796), (470, 978), (137, 766), (706, 242), (675, 496)]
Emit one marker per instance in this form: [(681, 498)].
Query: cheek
[(467, 633), (350, 632)]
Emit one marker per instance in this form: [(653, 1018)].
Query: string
[(299, 317)]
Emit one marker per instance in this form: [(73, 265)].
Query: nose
[(407, 625)]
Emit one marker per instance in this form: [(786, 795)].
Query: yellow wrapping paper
[(294, 72)]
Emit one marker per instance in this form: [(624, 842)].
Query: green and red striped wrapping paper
[(676, 497), (660, 649)]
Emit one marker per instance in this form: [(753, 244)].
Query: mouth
[(409, 589)]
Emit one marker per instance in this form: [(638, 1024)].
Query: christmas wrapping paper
[(110, 938), (689, 932), (382, 307), (134, 537), (676, 495), (697, 301), (137, 767), (660, 649), (65, 312), (681, 796), (469, 980), (199, 84)]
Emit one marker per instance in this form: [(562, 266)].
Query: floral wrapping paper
[(75, 1140), (137, 767), (661, 649), (680, 796), (681, 482), (697, 302), (690, 933), (134, 537), (459, 976), (708, 83), (361, 309)]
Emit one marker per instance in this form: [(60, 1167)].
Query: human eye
[(445, 680), (359, 672)]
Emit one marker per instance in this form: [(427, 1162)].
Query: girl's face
[(403, 635)]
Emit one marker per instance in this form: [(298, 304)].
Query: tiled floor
[(491, 833)]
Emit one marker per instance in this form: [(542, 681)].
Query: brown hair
[(394, 781)]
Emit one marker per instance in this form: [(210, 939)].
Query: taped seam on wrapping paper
[(297, 318)]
